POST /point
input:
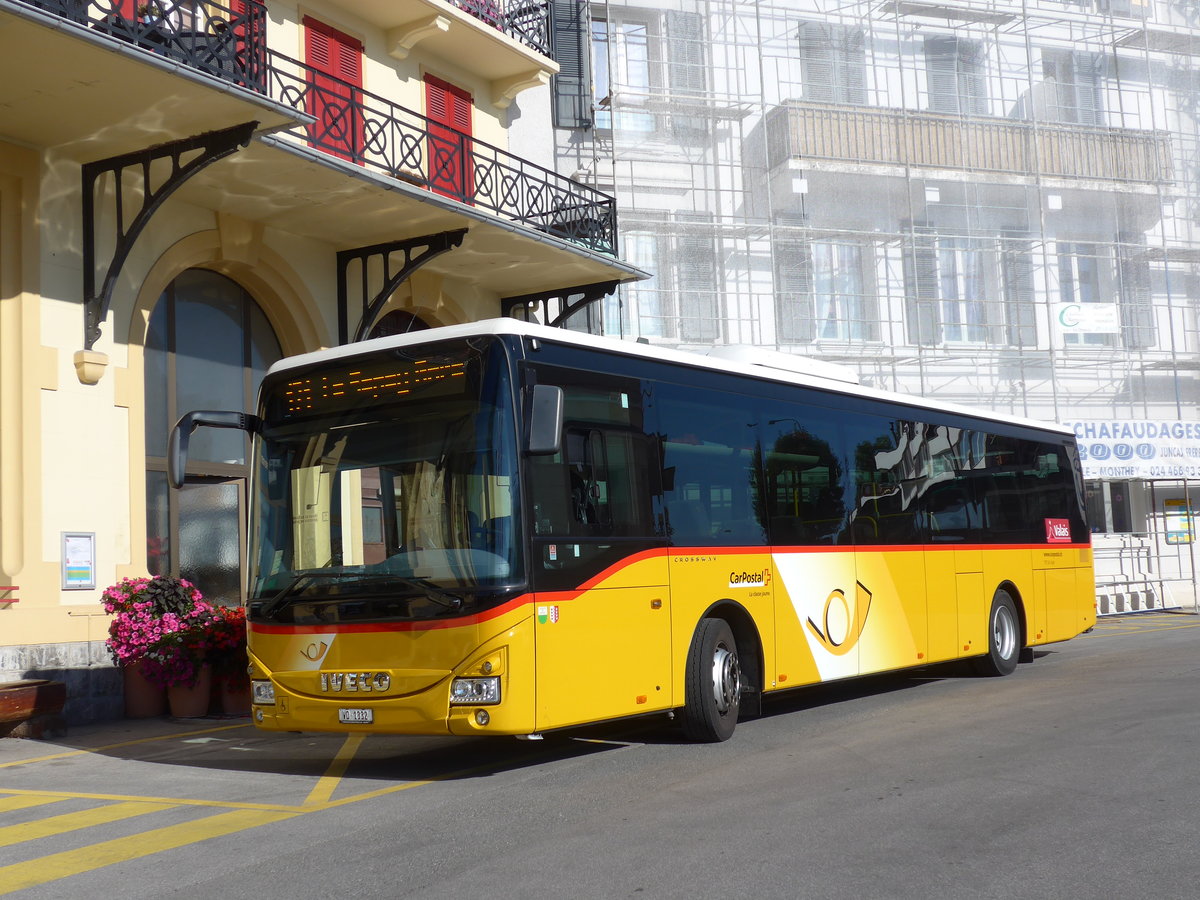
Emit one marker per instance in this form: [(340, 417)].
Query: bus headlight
[(263, 693), (475, 691)]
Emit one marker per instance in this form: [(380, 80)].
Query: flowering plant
[(163, 622), (227, 645), (177, 656)]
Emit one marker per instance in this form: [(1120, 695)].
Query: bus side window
[(805, 479), (708, 445), (602, 481)]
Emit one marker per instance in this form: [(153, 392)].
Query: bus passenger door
[(599, 570)]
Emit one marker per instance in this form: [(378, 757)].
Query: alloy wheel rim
[(1004, 632), (727, 679)]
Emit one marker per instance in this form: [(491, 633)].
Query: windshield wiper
[(439, 596), (290, 594), (284, 598)]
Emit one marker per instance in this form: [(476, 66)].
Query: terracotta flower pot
[(235, 697), (191, 701), (143, 698)]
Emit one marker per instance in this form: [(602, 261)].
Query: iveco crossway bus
[(503, 528)]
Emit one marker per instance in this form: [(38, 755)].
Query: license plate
[(356, 716)]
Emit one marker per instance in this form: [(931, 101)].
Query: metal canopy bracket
[(417, 252), (530, 306), (207, 148)]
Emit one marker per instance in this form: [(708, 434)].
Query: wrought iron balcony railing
[(865, 135), (227, 39), (524, 21), (374, 132)]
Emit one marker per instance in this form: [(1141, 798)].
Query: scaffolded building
[(980, 201)]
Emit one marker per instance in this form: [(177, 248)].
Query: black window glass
[(807, 479), (601, 483), (886, 458), (711, 454), (209, 359)]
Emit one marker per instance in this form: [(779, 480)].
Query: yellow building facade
[(191, 190)]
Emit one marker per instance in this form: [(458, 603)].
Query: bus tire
[(1004, 637), (713, 684)]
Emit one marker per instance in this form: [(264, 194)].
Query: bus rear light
[(263, 693), (476, 691)]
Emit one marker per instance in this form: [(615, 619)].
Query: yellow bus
[(504, 528)]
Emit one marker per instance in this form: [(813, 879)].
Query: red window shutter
[(448, 108), (334, 89)]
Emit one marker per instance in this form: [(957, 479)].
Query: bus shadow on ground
[(388, 758), (808, 698)]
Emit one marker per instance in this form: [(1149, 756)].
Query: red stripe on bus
[(573, 594)]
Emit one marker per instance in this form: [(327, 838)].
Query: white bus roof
[(768, 366)]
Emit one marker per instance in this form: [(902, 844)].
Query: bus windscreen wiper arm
[(289, 592), (284, 597), (436, 594)]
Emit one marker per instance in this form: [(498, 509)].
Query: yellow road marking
[(29, 831), (86, 859), (240, 817), (85, 750), (173, 801), (35, 798), (333, 775)]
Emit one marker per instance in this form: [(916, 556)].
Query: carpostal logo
[(1058, 531), (843, 620), (750, 579)]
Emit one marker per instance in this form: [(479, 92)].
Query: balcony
[(92, 83), (504, 41), (367, 130), (125, 83), (859, 135)]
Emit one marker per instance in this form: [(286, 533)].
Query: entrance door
[(208, 347)]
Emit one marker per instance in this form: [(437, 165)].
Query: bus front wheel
[(713, 686), (1004, 637)]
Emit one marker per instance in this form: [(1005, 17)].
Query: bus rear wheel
[(713, 685), (1004, 637)]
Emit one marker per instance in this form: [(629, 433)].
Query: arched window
[(398, 321), (208, 347)]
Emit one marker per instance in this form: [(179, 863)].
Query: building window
[(1085, 275), (697, 279), (208, 346), (646, 303), (1020, 300), (833, 63), (571, 88), (824, 292), (844, 310), (334, 89), (950, 281), (954, 68), (1108, 507), (451, 167), (1072, 87), (625, 73)]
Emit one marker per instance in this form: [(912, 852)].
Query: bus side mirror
[(177, 443), (545, 420)]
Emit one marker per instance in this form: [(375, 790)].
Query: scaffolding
[(983, 202)]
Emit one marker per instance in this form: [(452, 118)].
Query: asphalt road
[(1075, 777)]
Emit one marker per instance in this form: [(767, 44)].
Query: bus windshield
[(386, 486)]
